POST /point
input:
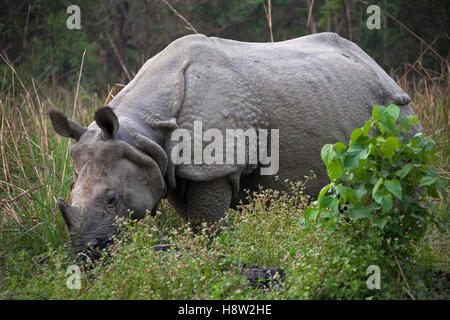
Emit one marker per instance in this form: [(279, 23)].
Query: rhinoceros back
[(315, 89)]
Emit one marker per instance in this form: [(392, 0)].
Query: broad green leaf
[(347, 194), (356, 149), (355, 135), (311, 214), (386, 203), (367, 127), (359, 212), (351, 162), (334, 206), (390, 146), (339, 147), (427, 180), (362, 164), (375, 112), (334, 170), (393, 112), (328, 219), (403, 172), (378, 197), (327, 153), (380, 113), (328, 202), (387, 116), (381, 126), (354, 153), (374, 206), (323, 191), (381, 222), (360, 192), (380, 141), (375, 188), (394, 187), (405, 123)]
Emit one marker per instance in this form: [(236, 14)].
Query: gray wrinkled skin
[(315, 89)]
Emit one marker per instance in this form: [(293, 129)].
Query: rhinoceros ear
[(107, 121), (66, 127)]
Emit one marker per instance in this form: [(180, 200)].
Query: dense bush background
[(34, 34)]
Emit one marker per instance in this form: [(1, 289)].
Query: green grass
[(269, 231)]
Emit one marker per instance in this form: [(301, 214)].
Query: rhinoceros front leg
[(202, 201), (208, 200)]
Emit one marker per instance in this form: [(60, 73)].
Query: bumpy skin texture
[(314, 89)]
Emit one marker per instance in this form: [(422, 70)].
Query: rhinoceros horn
[(71, 215)]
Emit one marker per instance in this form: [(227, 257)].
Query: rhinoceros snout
[(88, 252), (86, 257), (92, 249)]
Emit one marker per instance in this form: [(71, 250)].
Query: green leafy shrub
[(381, 177)]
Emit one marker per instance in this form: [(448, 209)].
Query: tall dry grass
[(431, 102), (35, 164)]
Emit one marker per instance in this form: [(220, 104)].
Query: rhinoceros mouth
[(86, 257), (96, 245), (93, 249), (92, 253)]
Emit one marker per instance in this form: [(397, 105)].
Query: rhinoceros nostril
[(84, 258)]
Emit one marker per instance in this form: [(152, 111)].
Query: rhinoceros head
[(110, 177)]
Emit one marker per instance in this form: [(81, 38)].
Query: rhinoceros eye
[(111, 198)]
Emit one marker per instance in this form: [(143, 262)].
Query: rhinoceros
[(311, 90)]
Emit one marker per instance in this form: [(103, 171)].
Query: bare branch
[(190, 27), (269, 17), (113, 92), (309, 13), (124, 68), (403, 276), (78, 84)]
